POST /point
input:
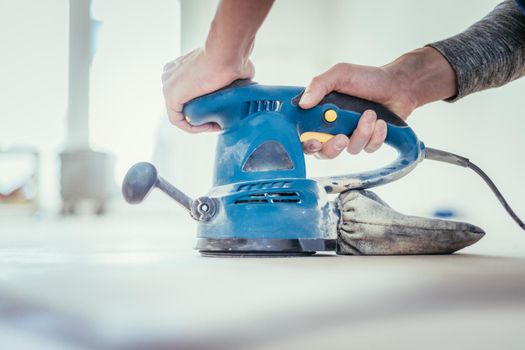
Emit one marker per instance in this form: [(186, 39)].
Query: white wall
[(303, 38), (134, 41), (33, 81)]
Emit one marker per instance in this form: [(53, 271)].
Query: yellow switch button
[(330, 115)]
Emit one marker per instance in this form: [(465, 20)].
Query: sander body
[(262, 202)]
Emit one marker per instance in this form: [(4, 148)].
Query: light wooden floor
[(133, 282)]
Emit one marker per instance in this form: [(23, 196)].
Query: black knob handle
[(138, 182), (142, 177)]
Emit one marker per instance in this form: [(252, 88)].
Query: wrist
[(230, 51), (222, 70), (423, 76)]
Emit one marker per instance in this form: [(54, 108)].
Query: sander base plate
[(263, 247)]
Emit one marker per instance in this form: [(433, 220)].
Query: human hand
[(377, 84), (195, 74)]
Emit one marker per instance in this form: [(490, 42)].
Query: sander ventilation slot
[(264, 185), (263, 106), (270, 197)]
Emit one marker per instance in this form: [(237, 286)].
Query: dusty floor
[(135, 283)]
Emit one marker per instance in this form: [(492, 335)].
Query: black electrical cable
[(498, 194), (451, 158)]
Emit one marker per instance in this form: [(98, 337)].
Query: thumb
[(318, 88)]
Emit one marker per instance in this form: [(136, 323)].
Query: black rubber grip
[(358, 105)]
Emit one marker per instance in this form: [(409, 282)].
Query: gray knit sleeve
[(488, 54)]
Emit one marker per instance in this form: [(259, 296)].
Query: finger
[(177, 62), (311, 146), (334, 147), (175, 97), (318, 88), (166, 75), (195, 129), (214, 127), (178, 119), (168, 66), (378, 137), (175, 115), (362, 133)]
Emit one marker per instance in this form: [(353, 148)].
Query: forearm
[(424, 76), (490, 53), (232, 32)]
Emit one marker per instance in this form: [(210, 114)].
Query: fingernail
[(370, 117), (314, 148), (306, 98)]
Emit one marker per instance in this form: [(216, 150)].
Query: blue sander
[(261, 202)]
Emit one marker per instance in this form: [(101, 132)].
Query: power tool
[(261, 202)]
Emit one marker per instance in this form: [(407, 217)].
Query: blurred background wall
[(299, 40), (133, 41)]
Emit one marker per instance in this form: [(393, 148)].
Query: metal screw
[(203, 208)]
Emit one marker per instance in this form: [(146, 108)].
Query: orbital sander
[(262, 202)]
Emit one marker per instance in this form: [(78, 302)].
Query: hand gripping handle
[(339, 114)]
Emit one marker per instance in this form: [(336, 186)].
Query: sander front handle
[(336, 114)]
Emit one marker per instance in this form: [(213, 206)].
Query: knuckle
[(317, 80), (362, 133), (306, 150), (167, 66), (176, 119), (173, 120), (340, 66), (165, 76)]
